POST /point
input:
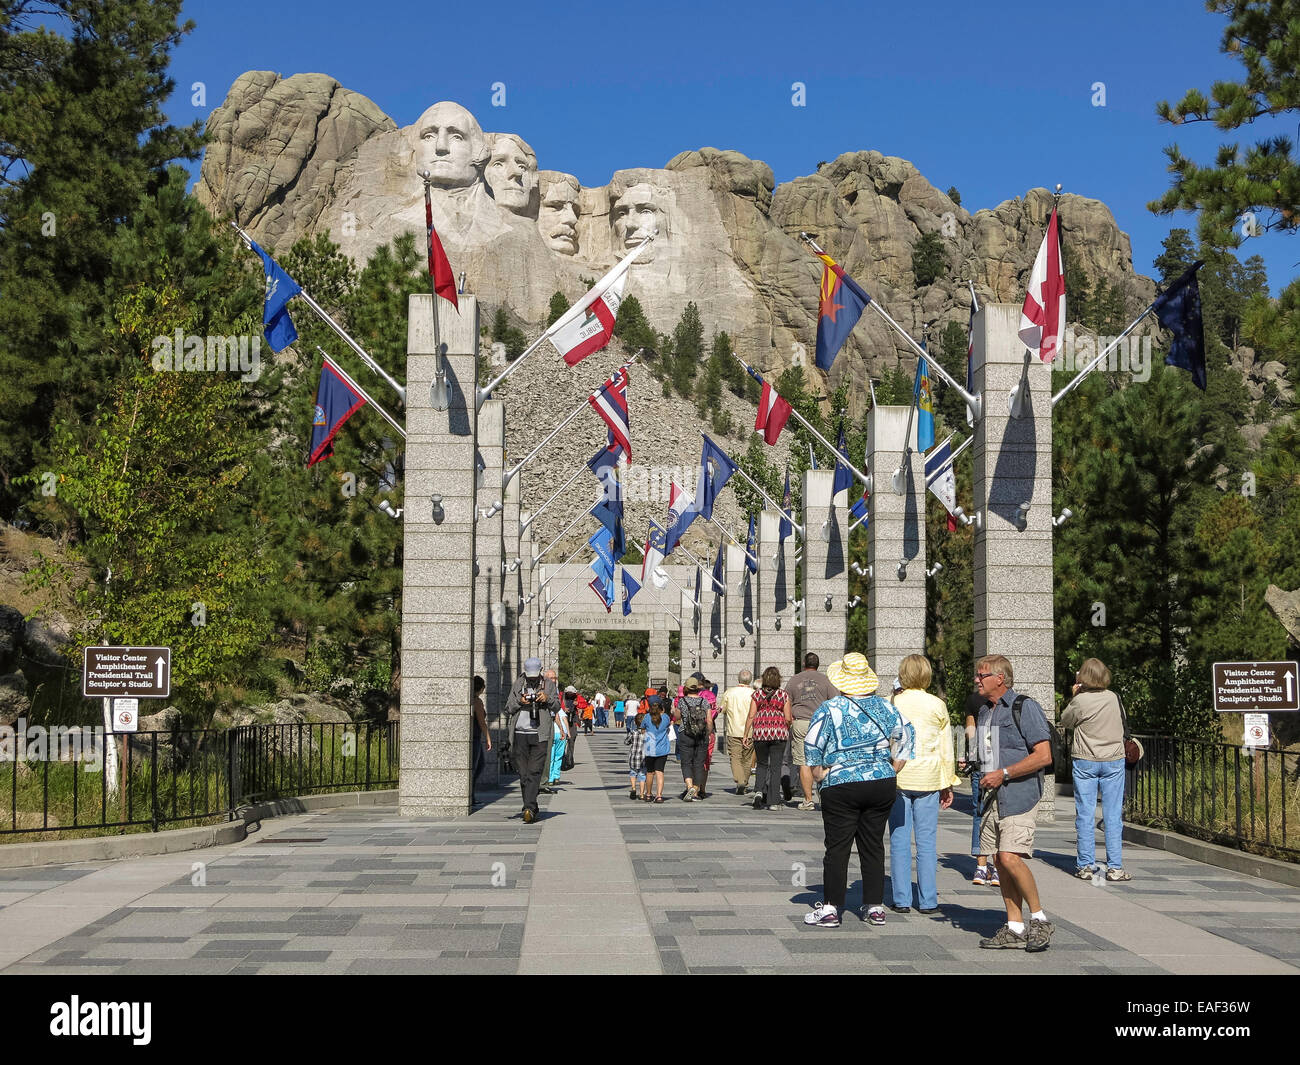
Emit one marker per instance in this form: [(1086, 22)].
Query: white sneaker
[(823, 915)]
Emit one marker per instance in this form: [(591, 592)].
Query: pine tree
[(84, 139), (688, 349), (558, 306), (929, 263)]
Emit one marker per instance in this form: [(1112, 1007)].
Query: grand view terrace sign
[(127, 672), (1256, 686)]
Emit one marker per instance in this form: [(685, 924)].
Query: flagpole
[(899, 479), (1078, 378), (576, 474), (973, 402), (553, 575), (732, 538), (438, 390), (505, 480), (578, 308), (324, 317), (757, 487), (865, 478), (585, 514), (361, 391)]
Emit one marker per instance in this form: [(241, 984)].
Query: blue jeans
[(914, 812), (1109, 776)]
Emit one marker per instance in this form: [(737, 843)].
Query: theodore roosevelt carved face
[(557, 218)]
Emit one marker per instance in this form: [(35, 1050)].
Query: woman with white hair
[(856, 744)]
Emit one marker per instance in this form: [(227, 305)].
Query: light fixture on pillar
[(830, 601), (515, 563), (965, 518), (826, 530), (438, 514), (1066, 515), (742, 641), (857, 568), (387, 508), (902, 569), (487, 512), (854, 602), (936, 568), (1022, 516), (776, 624)]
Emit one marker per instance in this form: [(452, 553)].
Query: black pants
[(529, 753), (693, 750), (856, 811), (768, 781)]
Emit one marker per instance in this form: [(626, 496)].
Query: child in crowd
[(636, 758)]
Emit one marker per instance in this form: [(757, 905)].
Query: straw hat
[(853, 675)]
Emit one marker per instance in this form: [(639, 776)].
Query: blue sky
[(992, 99)]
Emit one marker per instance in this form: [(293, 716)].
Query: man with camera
[(528, 710), (1015, 747)]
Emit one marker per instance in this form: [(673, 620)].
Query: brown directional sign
[(127, 672), (1256, 687)]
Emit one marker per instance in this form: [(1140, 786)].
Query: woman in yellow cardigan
[(924, 788)]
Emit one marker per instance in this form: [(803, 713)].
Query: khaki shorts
[(1014, 834), (798, 730)]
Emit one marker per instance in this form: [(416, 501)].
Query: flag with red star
[(842, 303), (1042, 320)]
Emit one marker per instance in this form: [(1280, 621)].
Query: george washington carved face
[(449, 145)]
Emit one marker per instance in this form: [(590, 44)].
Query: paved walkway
[(606, 885)]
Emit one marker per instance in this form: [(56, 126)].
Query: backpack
[(695, 716), (769, 718), (1054, 739)]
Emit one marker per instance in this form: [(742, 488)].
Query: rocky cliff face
[(296, 156)]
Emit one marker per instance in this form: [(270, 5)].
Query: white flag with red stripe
[(588, 325), (1042, 320), (773, 413)]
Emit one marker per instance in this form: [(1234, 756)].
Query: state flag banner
[(716, 469), (653, 556), (773, 413), (858, 512), (939, 476), (630, 588), (786, 528), (277, 326), (336, 402), (588, 325), (681, 512), (610, 402), (843, 476), (751, 551), (1042, 319), (1179, 311), (923, 396), (444, 281), (719, 579), (604, 594), (840, 305)]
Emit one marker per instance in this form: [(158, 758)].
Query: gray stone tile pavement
[(606, 885)]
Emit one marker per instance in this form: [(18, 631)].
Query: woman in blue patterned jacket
[(856, 744)]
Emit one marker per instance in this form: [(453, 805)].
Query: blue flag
[(716, 469), (336, 402), (843, 478), (1179, 311), (924, 400), (751, 552), (719, 580), (280, 289), (840, 306), (630, 587), (859, 509), (786, 528), (603, 564)]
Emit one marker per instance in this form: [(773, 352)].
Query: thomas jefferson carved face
[(511, 172), (635, 215), (557, 220), (450, 146)]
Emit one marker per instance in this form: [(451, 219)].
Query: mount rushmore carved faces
[(450, 146), (511, 173), (635, 213), (557, 219)]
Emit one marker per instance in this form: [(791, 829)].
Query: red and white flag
[(1042, 320), (773, 413), (588, 325), (444, 282)]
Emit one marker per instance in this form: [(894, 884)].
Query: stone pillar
[(1012, 466), (438, 575), (489, 582), (658, 659), (741, 644), (895, 533), (528, 613), (774, 595), (512, 642), (825, 569), (713, 623), (690, 641)]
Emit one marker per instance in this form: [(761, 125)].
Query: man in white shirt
[(600, 702)]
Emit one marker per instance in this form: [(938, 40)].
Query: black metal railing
[(55, 780), (1219, 792)]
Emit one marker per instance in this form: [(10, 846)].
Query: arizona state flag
[(839, 308), (336, 402)]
